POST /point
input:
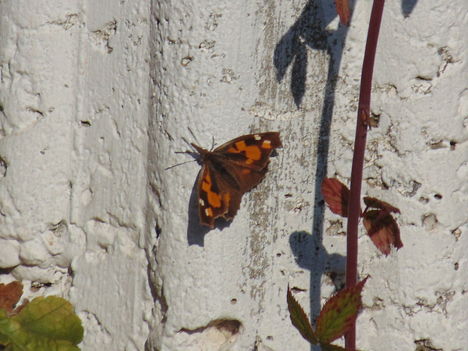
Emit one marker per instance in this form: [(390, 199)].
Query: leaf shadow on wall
[(309, 32), (407, 7), (310, 254)]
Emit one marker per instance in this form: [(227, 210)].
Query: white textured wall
[(74, 91), (96, 98)]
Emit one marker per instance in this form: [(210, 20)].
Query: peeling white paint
[(96, 99)]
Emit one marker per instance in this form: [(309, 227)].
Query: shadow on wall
[(311, 255), (195, 231), (309, 32), (407, 7)]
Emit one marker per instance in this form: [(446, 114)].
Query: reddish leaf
[(342, 8), (339, 313), (336, 195), (299, 319), (383, 230), (10, 295), (376, 203)]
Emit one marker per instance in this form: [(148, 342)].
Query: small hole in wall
[(233, 301), (158, 230), (35, 286), (230, 326), (429, 221), (455, 266), (423, 200), (374, 120), (6, 271), (453, 144), (269, 338), (425, 345), (385, 186), (186, 61), (457, 233), (86, 123), (3, 167), (437, 196)]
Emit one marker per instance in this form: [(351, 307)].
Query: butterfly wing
[(231, 170), (216, 198), (245, 159)]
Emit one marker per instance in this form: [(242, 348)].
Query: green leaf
[(339, 313), (4, 324), (299, 319), (45, 324), (330, 347)]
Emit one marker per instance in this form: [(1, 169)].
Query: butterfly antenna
[(191, 153), (179, 164), (212, 143), (193, 136), (188, 143)]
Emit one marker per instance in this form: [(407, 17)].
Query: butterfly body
[(229, 171)]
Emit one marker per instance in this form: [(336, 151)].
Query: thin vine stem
[(363, 115)]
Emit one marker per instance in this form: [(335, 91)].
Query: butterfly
[(229, 171)]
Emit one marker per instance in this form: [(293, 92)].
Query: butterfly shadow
[(310, 254), (195, 231)]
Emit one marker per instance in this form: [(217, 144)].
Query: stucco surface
[(96, 100)]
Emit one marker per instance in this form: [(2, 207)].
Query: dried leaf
[(10, 295), (342, 8), (376, 203), (299, 319), (339, 313), (383, 230), (336, 195)]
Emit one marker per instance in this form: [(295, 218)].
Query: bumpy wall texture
[(96, 98)]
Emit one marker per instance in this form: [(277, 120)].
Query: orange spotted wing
[(231, 170)]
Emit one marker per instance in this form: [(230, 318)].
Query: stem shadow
[(309, 32)]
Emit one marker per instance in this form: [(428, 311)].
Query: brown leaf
[(339, 313), (10, 295), (342, 8), (383, 230), (336, 195), (299, 319), (376, 203)]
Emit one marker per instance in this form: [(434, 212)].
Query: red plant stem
[(354, 205)]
